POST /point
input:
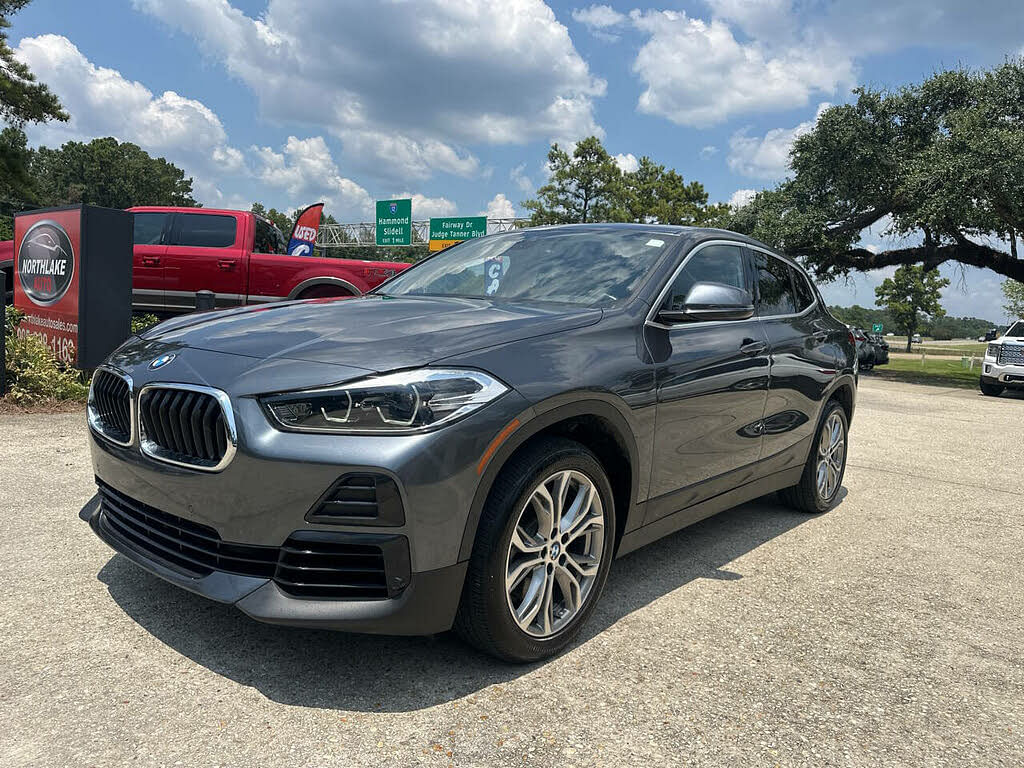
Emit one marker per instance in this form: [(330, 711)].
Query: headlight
[(405, 402), (992, 351)]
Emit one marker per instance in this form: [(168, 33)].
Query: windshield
[(1017, 329), (591, 268)]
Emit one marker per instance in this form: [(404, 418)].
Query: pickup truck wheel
[(989, 387), (543, 549)]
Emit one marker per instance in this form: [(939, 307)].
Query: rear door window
[(204, 230), (804, 293), (149, 227), (711, 264), (775, 286)]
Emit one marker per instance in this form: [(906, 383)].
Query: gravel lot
[(888, 632)]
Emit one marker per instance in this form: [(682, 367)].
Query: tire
[(808, 495), (989, 388), (485, 617)]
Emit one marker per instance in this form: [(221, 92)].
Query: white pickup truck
[(1004, 362)]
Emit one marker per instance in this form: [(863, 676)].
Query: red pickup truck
[(239, 256)]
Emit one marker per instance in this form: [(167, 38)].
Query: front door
[(151, 231), (712, 380)]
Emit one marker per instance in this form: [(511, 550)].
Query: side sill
[(676, 521)]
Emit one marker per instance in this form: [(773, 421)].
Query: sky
[(455, 102)]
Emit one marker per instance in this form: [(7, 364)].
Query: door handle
[(752, 347), (226, 264), (151, 261)]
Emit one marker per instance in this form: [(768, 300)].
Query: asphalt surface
[(887, 632)]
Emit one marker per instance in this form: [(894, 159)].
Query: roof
[(695, 233), (183, 209)]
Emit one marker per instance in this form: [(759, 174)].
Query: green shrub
[(33, 374), (142, 322), (13, 318)]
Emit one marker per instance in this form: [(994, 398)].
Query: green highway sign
[(449, 230), (394, 222), (876, 328)]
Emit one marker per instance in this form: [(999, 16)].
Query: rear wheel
[(990, 387), (822, 478), (542, 553)]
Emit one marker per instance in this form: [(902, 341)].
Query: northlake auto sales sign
[(46, 249), (73, 280)]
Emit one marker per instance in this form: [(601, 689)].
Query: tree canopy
[(912, 290), (588, 185), (280, 220), (939, 165), (22, 99), (1014, 296), (106, 172)]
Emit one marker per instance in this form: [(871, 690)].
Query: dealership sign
[(73, 280), (394, 222), (448, 231)]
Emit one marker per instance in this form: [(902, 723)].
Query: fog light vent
[(360, 499)]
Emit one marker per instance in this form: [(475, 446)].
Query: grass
[(946, 372)]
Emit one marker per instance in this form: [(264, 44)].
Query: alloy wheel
[(555, 553), (831, 452)]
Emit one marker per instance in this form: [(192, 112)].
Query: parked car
[(239, 256), (472, 443), (915, 339), (1003, 366), (989, 335), (880, 347), (865, 349)]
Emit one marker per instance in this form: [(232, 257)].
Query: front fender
[(538, 418)]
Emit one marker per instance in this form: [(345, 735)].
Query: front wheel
[(818, 489), (988, 387), (542, 553)]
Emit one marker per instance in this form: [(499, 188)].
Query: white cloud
[(102, 102), (741, 197), (599, 17), (424, 207), (406, 85), (627, 163), (500, 207), (698, 74), (307, 171), (767, 157), (709, 151), (520, 179), (400, 156)]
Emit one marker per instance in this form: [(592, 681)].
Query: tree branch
[(968, 252)]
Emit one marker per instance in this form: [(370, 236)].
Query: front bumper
[(1007, 375), (426, 606)]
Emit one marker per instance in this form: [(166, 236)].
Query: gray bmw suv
[(473, 443)]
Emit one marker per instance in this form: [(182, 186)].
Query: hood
[(372, 332)]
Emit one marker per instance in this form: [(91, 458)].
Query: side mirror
[(711, 301)]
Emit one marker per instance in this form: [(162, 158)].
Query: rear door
[(804, 349), (151, 231), (206, 251), (712, 379)]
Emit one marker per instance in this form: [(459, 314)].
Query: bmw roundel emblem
[(161, 361)]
